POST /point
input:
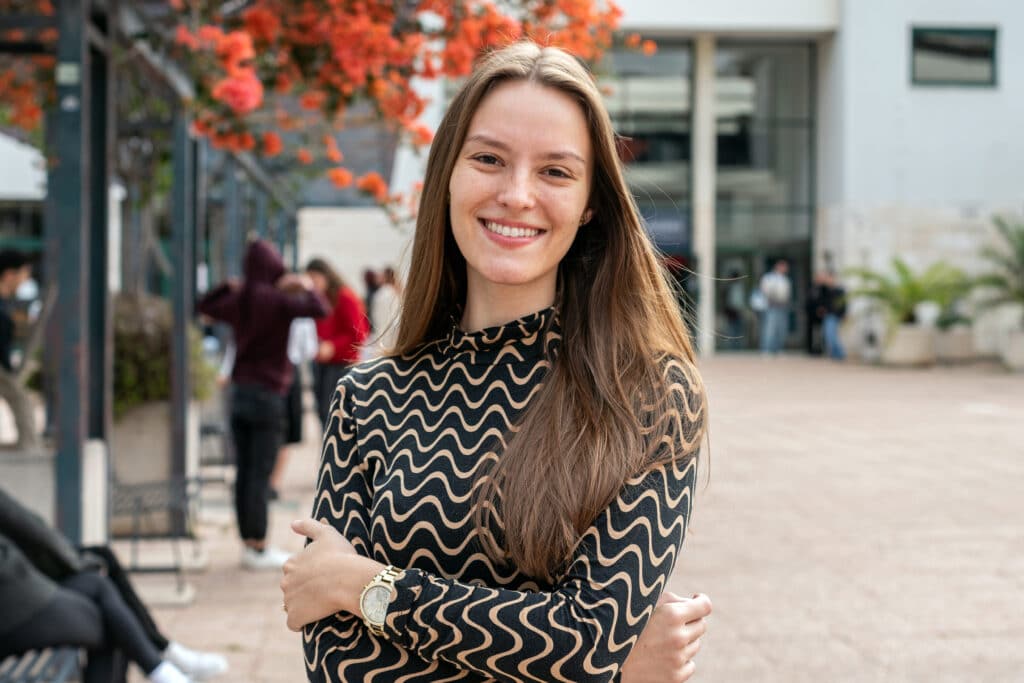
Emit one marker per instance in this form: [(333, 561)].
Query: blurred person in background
[(387, 304), (15, 269), (342, 332), (371, 283), (53, 595), (303, 345), (734, 307), (260, 311), (832, 309), (777, 291)]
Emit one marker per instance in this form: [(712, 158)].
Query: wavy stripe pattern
[(406, 439)]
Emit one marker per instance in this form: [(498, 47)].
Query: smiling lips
[(508, 231)]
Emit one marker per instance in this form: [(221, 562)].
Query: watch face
[(375, 603)]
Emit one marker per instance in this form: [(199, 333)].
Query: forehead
[(522, 111)]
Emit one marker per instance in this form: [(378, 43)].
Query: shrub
[(143, 326)]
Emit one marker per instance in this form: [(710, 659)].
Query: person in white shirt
[(387, 304), (777, 291)]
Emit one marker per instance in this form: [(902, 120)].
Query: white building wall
[(22, 170), (916, 171), (731, 16)]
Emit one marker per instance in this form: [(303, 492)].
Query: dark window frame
[(989, 32)]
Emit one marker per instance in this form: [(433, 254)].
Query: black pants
[(325, 381), (257, 424), (88, 611), (116, 573)]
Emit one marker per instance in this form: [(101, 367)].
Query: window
[(942, 56)]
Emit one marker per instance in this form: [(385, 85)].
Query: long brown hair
[(603, 412), (334, 282)]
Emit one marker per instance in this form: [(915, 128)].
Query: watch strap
[(386, 577)]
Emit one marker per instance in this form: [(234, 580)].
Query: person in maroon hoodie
[(260, 311), (341, 333)]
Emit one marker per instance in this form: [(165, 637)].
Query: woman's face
[(519, 188), (319, 281)]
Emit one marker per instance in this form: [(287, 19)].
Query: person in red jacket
[(260, 311), (342, 332)]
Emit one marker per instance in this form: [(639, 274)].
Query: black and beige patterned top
[(404, 443)]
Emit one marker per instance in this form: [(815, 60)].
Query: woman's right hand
[(666, 648)]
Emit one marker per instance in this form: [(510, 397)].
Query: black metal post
[(182, 245), (100, 402), (68, 193), (234, 240)]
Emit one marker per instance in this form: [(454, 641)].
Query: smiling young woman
[(505, 495)]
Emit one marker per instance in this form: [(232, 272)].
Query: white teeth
[(507, 231)]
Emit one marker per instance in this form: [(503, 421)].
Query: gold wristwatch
[(375, 598)]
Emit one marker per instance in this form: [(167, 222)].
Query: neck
[(489, 304)]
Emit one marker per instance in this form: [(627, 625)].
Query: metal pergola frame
[(80, 131)]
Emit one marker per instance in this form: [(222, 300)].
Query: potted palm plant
[(954, 339), (1004, 286), (905, 295)]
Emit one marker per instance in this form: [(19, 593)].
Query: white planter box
[(140, 452), (1013, 352), (910, 345), (955, 345)]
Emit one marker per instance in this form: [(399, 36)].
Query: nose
[(518, 191)]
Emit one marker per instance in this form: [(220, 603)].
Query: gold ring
[(284, 607)]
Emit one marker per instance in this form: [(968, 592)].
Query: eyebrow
[(557, 155)]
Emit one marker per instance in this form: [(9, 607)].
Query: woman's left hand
[(311, 577)]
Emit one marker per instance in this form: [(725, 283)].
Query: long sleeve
[(46, 547), (584, 628), (307, 304), (347, 327), (344, 496), (406, 442), (221, 303)]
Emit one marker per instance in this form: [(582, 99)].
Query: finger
[(688, 670), (691, 650), (694, 608), (669, 596), (694, 630), (703, 599), (310, 528)]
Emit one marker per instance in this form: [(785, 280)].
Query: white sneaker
[(197, 664), (263, 560), (166, 672)]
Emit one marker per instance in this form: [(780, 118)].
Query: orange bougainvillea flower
[(633, 40), (649, 47), (272, 145), (312, 100), (262, 24), (372, 183), (341, 177), (235, 49), (209, 35), (421, 135), (242, 92), (182, 36), (304, 156)]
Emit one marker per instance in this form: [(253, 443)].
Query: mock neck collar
[(520, 339)]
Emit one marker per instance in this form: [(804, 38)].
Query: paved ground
[(860, 524)]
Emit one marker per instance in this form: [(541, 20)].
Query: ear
[(587, 215)]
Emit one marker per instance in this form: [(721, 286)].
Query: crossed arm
[(582, 629)]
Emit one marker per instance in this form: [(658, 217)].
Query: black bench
[(54, 665)]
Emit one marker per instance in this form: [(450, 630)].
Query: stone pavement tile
[(859, 524), (952, 660)]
